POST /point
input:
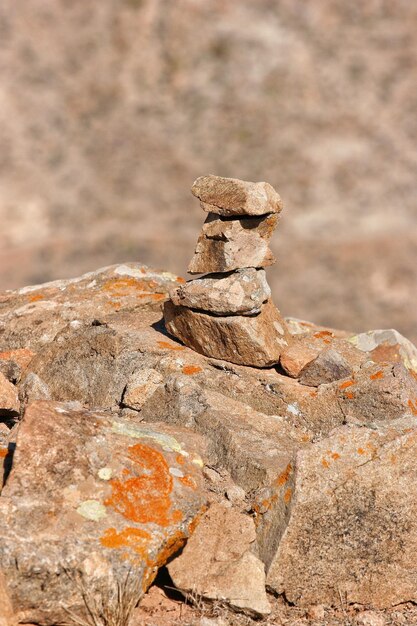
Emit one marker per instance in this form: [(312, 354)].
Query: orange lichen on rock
[(144, 495), (288, 495), (188, 481), (191, 369), (325, 463), (3, 453), (326, 335), (284, 476), (377, 375), (21, 356), (169, 346), (120, 287), (346, 384), (413, 406), (36, 297), (174, 543), (349, 395), (134, 538)]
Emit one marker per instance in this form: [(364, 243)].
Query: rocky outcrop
[(113, 413)]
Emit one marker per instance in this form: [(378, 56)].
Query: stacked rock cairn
[(228, 313)]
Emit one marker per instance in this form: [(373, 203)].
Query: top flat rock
[(231, 196)]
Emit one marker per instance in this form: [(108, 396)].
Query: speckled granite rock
[(226, 245), (128, 497), (231, 196), (240, 293)]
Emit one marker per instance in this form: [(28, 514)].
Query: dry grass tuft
[(112, 606)]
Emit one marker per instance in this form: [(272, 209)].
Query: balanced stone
[(240, 293), (257, 341), (230, 196), (226, 245)]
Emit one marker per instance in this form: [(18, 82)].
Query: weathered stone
[(7, 615), (369, 618), (140, 387), (225, 245), (217, 563), (9, 401), (257, 340), (352, 532), (92, 498), (378, 392), (387, 345), (241, 293), (231, 196), (31, 317), (306, 346), (297, 356), (11, 370), (327, 367)]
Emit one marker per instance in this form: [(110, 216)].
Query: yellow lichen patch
[(144, 495), (169, 346), (377, 375), (191, 369)]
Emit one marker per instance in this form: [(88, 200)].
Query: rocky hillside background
[(109, 111)]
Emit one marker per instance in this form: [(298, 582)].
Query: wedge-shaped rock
[(352, 532), (327, 367), (241, 293), (231, 196), (257, 340), (225, 245), (217, 562), (92, 501)]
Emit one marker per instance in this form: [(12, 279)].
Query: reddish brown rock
[(231, 196), (328, 366), (378, 392), (352, 531), (226, 245), (91, 498), (141, 387), (218, 562), (257, 340), (7, 615), (9, 401), (240, 293)]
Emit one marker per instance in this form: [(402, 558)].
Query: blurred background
[(109, 110)]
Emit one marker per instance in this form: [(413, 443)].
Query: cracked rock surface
[(325, 474)]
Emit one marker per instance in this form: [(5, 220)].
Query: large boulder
[(352, 532), (93, 502)]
